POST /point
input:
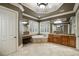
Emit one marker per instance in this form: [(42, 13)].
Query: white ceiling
[(51, 7)]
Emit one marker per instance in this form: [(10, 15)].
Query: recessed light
[(58, 21), (24, 22), (58, 26)]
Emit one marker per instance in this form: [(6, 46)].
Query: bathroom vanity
[(26, 39), (67, 40)]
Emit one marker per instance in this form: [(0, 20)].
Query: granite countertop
[(28, 35), (63, 34)]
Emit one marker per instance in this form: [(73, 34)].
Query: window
[(33, 27), (44, 27)]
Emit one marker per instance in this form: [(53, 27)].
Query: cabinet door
[(54, 39), (59, 39), (65, 40), (72, 42), (49, 39)]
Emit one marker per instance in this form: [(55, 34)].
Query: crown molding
[(18, 5), (69, 12), (30, 16), (57, 15), (76, 6), (73, 11)]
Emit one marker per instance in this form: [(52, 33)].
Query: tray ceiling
[(56, 8), (51, 7), (31, 14)]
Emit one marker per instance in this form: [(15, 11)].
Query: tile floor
[(45, 49)]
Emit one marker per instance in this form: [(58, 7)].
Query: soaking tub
[(39, 38)]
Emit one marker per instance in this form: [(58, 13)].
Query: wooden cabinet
[(72, 42), (26, 39), (62, 39), (50, 38), (57, 39)]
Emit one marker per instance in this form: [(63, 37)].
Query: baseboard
[(77, 49), (20, 46)]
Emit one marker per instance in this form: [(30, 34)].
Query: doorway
[(8, 30)]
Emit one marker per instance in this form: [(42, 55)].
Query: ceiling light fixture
[(24, 22), (58, 21), (42, 5)]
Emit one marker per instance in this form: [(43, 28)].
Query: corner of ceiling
[(75, 7), (18, 5)]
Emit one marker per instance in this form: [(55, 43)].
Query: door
[(77, 29), (8, 31)]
